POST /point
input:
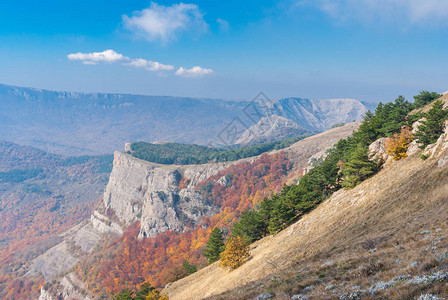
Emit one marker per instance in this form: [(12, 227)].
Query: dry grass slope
[(354, 244)]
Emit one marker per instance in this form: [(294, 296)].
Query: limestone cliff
[(150, 193)]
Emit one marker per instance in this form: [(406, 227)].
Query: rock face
[(270, 129), (150, 193), (377, 150), (440, 145)]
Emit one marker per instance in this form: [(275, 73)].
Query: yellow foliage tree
[(235, 254), (398, 144), (154, 295)]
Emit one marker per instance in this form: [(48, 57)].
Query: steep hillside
[(174, 207), (78, 123), (385, 238), (41, 196)]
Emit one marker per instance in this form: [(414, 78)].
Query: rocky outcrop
[(103, 224), (69, 287), (150, 193), (435, 150), (53, 262), (377, 150)]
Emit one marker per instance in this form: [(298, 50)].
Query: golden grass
[(359, 233)]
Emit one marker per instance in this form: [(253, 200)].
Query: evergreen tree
[(358, 168), (145, 289), (215, 245), (125, 294), (424, 98), (432, 127), (189, 268), (250, 226), (282, 215), (265, 212)]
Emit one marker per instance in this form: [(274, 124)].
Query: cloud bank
[(165, 23), (110, 56)]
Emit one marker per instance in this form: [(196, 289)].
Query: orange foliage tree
[(398, 144), (235, 254)]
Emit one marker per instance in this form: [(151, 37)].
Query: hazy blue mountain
[(320, 115), (79, 123)]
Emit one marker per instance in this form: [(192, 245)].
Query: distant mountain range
[(78, 123)]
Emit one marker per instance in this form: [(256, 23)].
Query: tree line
[(185, 154)]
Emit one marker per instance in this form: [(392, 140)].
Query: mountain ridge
[(74, 123)]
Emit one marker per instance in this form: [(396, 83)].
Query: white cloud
[(413, 11), (164, 23), (223, 24), (193, 72), (149, 65), (110, 56), (93, 58)]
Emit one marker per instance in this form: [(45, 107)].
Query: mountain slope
[(270, 129), (322, 114), (161, 198), (386, 238), (41, 196), (79, 123)]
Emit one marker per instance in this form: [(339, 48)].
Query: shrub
[(398, 144), (235, 254), (146, 292), (423, 156)]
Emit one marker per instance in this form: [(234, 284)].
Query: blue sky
[(370, 50)]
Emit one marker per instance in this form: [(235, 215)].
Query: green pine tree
[(190, 268), (250, 226), (125, 294), (145, 288), (357, 168), (282, 215), (432, 128), (424, 98), (215, 245)]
